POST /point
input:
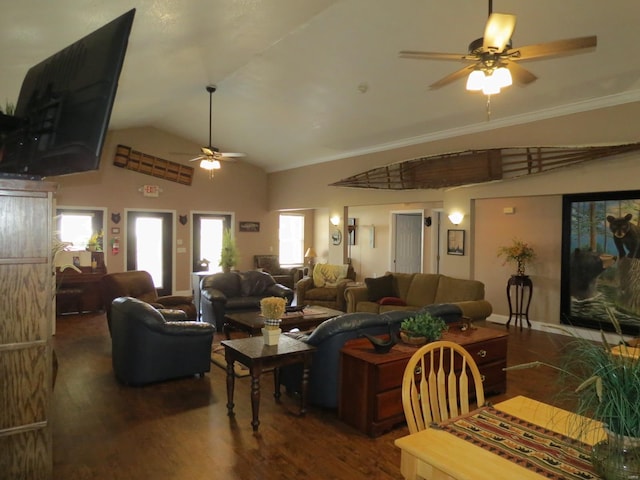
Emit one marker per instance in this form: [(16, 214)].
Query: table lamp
[(310, 255)]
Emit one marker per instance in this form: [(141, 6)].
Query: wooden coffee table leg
[(276, 384), (230, 381), (256, 370), (305, 384)]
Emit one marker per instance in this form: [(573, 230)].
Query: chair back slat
[(435, 384)]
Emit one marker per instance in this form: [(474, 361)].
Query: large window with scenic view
[(291, 239)]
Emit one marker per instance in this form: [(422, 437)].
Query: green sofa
[(412, 291)]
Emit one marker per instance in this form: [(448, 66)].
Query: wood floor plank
[(180, 429)]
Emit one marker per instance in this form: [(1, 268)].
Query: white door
[(407, 255)]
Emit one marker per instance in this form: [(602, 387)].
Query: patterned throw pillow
[(326, 275)]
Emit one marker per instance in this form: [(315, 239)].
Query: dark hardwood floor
[(180, 429)]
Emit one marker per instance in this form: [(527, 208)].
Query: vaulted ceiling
[(303, 82)]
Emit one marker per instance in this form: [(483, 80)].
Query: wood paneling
[(25, 328)]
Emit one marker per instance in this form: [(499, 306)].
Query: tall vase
[(520, 269), (617, 457)]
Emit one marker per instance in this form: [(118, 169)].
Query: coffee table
[(252, 322), (258, 357)]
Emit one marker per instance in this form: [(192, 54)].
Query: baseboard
[(586, 333)]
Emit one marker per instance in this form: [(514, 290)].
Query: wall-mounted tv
[(63, 110)]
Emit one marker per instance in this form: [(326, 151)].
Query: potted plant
[(604, 384), (229, 255), (422, 328), (95, 242), (272, 309), (520, 253)]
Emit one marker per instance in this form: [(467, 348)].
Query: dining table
[(448, 451)]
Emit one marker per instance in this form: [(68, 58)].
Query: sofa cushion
[(326, 275), (254, 283), (396, 301), (380, 287), (422, 290), (452, 290), (401, 283), (326, 294)]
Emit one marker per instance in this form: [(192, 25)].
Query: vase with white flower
[(272, 309)]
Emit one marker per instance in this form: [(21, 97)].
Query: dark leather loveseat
[(222, 293), (147, 348), (329, 338)]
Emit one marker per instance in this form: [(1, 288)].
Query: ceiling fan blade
[(452, 77), (198, 158), (232, 155), (557, 48), (433, 55), (498, 31), (520, 74), (208, 151)]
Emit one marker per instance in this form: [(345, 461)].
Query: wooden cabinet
[(81, 292), (371, 384), (26, 298)]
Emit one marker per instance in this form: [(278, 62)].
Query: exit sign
[(151, 190)]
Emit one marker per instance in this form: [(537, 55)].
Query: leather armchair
[(139, 284), (222, 293), (331, 335), (284, 276), (147, 348)]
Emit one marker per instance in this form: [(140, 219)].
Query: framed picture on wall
[(455, 242), (601, 260), (249, 226)]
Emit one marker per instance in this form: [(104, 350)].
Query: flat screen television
[(63, 110)]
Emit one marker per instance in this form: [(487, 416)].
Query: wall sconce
[(456, 217), (335, 220)]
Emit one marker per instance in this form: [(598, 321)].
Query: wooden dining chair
[(433, 391)]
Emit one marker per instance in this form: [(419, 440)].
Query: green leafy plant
[(424, 325), (229, 255), (604, 384)]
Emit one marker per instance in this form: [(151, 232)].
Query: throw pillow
[(380, 287), (392, 301), (325, 275)]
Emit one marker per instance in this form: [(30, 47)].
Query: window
[(207, 241), (77, 225), (291, 239)]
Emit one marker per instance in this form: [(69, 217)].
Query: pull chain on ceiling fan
[(494, 64), (211, 156)]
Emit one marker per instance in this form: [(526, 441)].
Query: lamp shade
[(310, 253), (456, 218)]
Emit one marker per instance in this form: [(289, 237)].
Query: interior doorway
[(407, 241), (150, 246)]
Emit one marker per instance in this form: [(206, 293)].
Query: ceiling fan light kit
[(495, 63), (210, 156)]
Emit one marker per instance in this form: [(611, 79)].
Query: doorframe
[(437, 214), (174, 238), (213, 213), (392, 231)]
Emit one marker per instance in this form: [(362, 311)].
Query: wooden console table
[(520, 288), (80, 292), (370, 396)]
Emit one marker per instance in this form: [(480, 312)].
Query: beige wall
[(238, 188), (253, 195)]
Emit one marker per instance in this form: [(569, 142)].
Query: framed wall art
[(249, 226), (601, 260), (455, 242)]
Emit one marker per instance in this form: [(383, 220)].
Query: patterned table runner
[(548, 453)]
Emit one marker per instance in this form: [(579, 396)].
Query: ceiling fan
[(493, 61), (210, 156)]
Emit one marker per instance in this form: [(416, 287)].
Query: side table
[(520, 288), (258, 357)]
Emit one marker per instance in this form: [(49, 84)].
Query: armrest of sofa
[(279, 290), (306, 283), (475, 309), (341, 288), (213, 295), (172, 300), (189, 328), (353, 295)]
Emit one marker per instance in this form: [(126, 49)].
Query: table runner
[(531, 446)]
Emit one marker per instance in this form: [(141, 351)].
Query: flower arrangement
[(95, 242), (272, 309), (519, 252)]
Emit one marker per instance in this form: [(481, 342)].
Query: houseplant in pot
[(229, 254), (422, 328), (604, 384), (272, 309)]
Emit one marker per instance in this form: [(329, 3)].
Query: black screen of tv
[(65, 102)]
